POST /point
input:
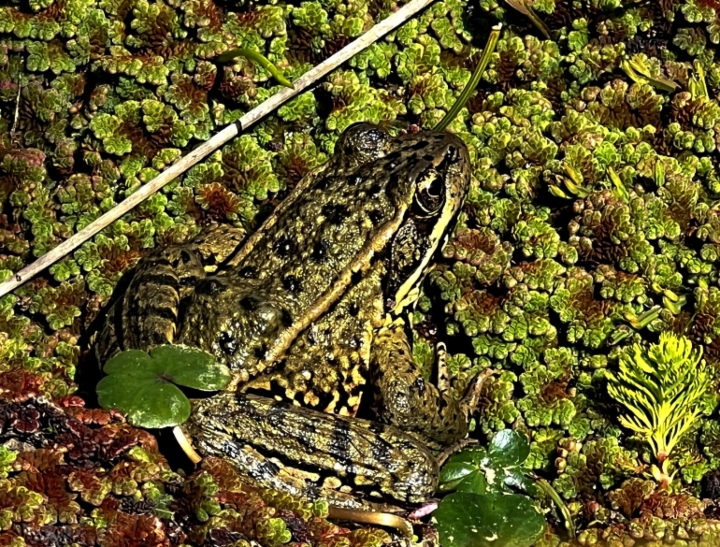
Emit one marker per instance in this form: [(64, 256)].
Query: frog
[(308, 314)]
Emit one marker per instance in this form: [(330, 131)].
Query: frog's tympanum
[(306, 309)]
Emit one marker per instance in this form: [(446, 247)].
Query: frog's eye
[(430, 193)]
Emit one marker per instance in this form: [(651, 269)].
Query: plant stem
[(474, 80), (261, 60), (552, 493)]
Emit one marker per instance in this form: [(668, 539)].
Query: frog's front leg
[(409, 402), (332, 455), (145, 311)]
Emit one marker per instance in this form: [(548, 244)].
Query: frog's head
[(426, 176)]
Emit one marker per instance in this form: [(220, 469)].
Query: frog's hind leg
[(409, 402), (312, 454)]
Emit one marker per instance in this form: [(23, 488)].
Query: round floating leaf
[(508, 448), (488, 520), (143, 386), (147, 401)]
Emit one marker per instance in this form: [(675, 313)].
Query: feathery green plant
[(661, 387)]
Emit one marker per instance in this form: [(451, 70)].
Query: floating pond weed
[(661, 387)]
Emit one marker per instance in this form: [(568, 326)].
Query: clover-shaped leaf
[(485, 520), (144, 386)]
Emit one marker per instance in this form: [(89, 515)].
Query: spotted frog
[(307, 309)]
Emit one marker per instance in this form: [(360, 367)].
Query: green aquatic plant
[(488, 503), (145, 386), (661, 387)]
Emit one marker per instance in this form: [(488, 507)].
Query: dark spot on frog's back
[(248, 272), (391, 160), (374, 190), (284, 246), (335, 213), (228, 343), (375, 216), (292, 283), (261, 351), (420, 145), (381, 451), (209, 286), (250, 303), (185, 257), (340, 440), (321, 249)]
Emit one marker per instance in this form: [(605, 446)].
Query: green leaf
[(488, 520), (508, 448), (146, 400), (496, 469), (143, 386), (474, 483), (459, 467), (452, 473)]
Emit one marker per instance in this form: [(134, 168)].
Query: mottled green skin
[(299, 310)]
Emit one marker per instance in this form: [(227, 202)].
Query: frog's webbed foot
[(408, 401)]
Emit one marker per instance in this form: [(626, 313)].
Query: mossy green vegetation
[(592, 226)]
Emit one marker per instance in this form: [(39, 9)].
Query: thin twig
[(16, 117), (457, 447), (206, 148)]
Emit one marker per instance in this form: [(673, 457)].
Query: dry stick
[(206, 148), (17, 115)]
